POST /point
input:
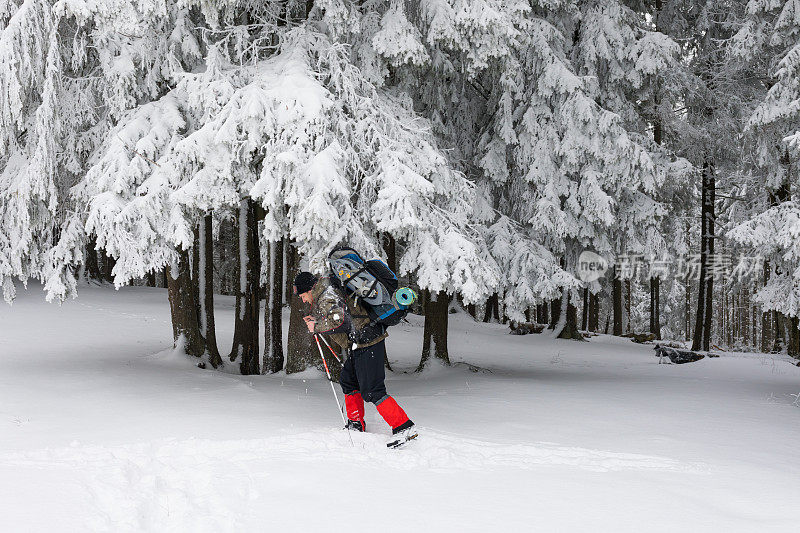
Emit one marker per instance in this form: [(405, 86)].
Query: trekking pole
[(333, 390), (331, 349)]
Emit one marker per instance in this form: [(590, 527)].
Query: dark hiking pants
[(363, 371)]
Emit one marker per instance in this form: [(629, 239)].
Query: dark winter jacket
[(341, 318)]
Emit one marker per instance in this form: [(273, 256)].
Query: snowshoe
[(356, 425), (402, 434)]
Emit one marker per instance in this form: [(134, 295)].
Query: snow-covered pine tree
[(568, 142), (147, 188), (766, 44), (372, 147), (722, 92), (42, 109), (182, 97), (445, 55)]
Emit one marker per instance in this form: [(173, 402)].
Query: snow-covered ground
[(103, 428)]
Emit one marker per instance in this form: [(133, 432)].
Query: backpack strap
[(337, 284)]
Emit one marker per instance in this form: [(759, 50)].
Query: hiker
[(345, 322)]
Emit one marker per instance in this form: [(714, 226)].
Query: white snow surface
[(105, 428)]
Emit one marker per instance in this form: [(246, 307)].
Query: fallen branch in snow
[(641, 338), (525, 328), (473, 368), (675, 356)]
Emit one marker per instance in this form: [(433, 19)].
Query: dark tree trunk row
[(301, 351), (206, 266), (616, 296), (98, 265), (273, 312), (245, 333), (434, 336), (492, 312), (655, 313), (793, 336), (184, 306), (191, 296), (542, 315)]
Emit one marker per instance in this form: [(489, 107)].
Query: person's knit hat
[(304, 282)]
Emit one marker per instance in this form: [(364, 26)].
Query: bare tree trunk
[(290, 269), (273, 311), (594, 312), (195, 270), (616, 295), (727, 318), (206, 286), (301, 351), (710, 247), (245, 334), (542, 314), (746, 317), (705, 292), (492, 312), (108, 266), (222, 254), (628, 298), (434, 337), (585, 310), (778, 330), (783, 325), (390, 249), (183, 307), (570, 330), (655, 302), (555, 312), (92, 261), (766, 332), (687, 310), (793, 334), (736, 317), (658, 134)]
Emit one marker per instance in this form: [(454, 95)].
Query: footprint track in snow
[(166, 485), (431, 450)]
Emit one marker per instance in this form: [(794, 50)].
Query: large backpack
[(373, 284)]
